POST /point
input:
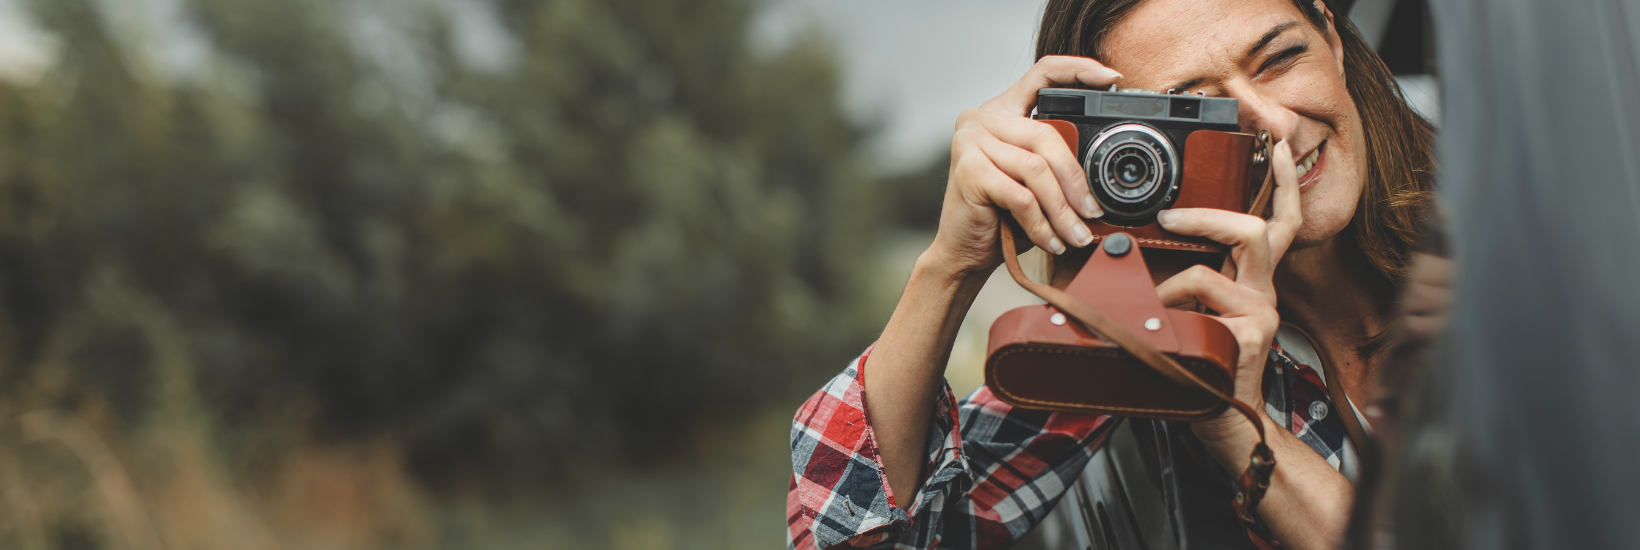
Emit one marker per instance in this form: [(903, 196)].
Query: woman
[(1352, 169)]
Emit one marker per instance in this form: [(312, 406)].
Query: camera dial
[(1133, 172)]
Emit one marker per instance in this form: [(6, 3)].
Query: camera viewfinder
[(1185, 108)]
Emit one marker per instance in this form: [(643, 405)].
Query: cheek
[(1326, 213), (1330, 205)]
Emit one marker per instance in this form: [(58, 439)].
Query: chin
[(1303, 240), (1325, 217), (1322, 230)]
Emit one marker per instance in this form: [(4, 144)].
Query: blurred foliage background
[(341, 286)]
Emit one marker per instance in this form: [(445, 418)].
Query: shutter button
[(1318, 410)]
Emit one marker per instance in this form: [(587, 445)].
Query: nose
[(1259, 111)]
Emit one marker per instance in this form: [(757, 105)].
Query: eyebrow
[(1263, 41), (1270, 36)]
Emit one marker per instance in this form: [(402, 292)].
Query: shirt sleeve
[(992, 472)]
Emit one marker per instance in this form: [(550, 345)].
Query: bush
[(631, 227)]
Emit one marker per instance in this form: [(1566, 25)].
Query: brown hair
[(1400, 156)]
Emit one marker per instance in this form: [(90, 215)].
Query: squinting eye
[(1285, 56)]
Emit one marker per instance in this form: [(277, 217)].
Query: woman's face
[(1288, 75)]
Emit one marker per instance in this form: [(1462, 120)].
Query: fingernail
[(1055, 246), (1082, 235), (1091, 207), (1167, 217)]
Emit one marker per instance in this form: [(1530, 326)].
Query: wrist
[(1230, 438), (937, 268), (923, 328)]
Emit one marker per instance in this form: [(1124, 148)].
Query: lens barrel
[(1133, 172)]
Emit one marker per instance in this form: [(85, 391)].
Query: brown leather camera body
[(1039, 357)]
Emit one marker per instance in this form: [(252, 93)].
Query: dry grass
[(69, 482), (65, 486)]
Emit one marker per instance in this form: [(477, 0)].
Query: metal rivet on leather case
[(1118, 244)]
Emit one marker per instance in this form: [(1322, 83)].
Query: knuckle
[(1269, 323), (1017, 200), (1035, 165), (1043, 134), (967, 167), (1249, 338), (1026, 199), (1064, 212), (1042, 229), (1200, 274)]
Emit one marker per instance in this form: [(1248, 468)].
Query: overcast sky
[(914, 65)]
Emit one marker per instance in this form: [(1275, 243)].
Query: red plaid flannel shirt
[(993, 471)]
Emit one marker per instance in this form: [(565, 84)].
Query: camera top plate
[(1133, 104)]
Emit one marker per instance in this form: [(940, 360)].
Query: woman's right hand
[(1001, 158)]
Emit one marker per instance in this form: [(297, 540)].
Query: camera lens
[(1132, 171)]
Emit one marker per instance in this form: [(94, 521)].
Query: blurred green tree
[(632, 227)]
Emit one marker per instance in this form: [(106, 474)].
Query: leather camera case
[(1038, 358), (1218, 171)]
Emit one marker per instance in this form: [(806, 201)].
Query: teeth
[(1309, 161)]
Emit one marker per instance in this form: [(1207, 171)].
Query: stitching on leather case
[(1081, 407), (1178, 243)]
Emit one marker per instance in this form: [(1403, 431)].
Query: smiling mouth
[(1307, 172)]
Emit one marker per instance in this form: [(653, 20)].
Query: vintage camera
[(1104, 343), (1145, 151)]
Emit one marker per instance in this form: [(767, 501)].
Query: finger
[(1245, 234), (1046, 73), (1253, 335), (1429, 269), (995, 188), (1043, 140), (1027, 167), (1287, 213), (1201, 284), (1249, 314), (1428, 295)]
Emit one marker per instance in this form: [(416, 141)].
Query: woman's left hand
[(1247, 305)]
